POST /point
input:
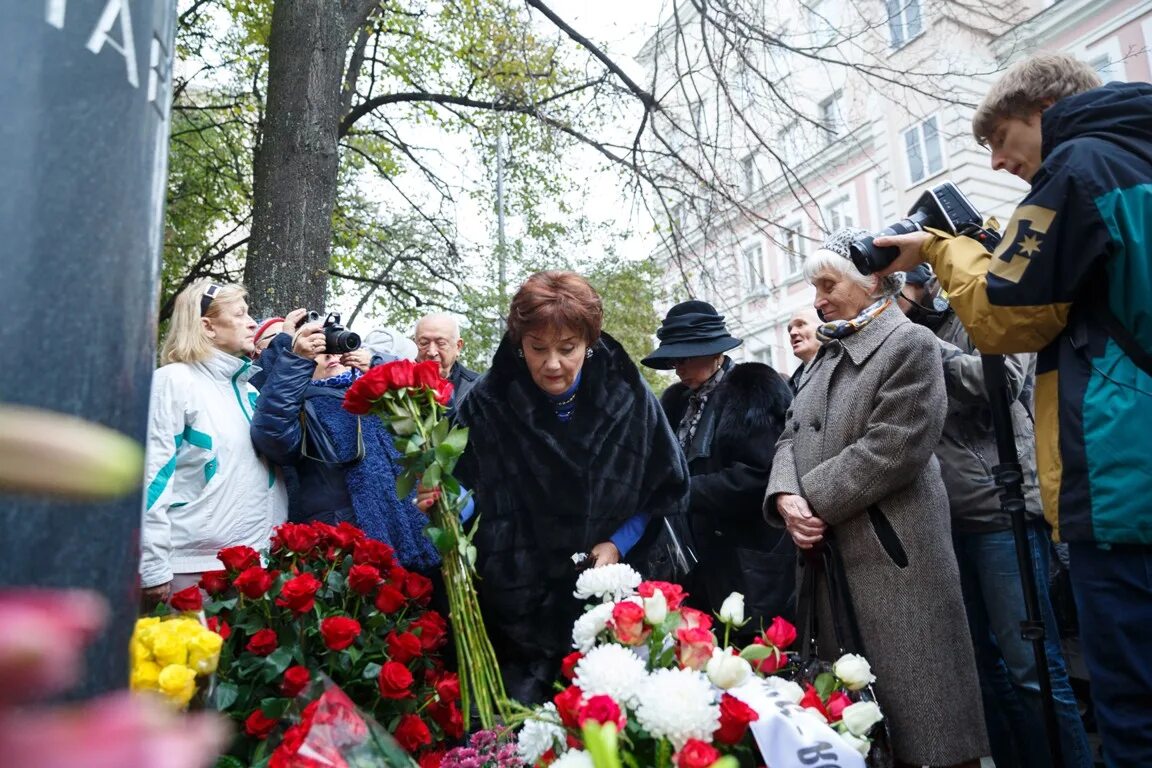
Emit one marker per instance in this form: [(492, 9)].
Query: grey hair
[(452, 320), (824, 260)]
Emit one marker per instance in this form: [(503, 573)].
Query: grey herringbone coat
[(858, 446)]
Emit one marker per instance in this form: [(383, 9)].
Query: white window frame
[(1105, 57), (755, 280), (750, 178), (917, 129), (841, 213), (793, 248), (901, 20), (831, 108)]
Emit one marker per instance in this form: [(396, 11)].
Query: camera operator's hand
[(309, 340), (910, 246), (359, 358)]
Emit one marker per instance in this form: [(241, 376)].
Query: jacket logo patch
[(1022, 242)]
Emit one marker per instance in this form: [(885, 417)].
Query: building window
[(924, 150), (903, 21), (830, 117), (1108, 69), (788, 144), (750, 181), (753, 268), (822, 21), (793, 244), (840, 215)]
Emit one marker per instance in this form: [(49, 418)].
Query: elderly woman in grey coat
[(855, 470)]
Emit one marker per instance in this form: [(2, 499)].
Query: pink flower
[(628, 624), (695, 647)]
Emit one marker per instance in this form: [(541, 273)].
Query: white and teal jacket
[(206, 487)]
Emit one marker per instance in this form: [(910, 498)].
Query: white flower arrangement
[(608, 582), (613, 670), (589, 626), (573, 758), (678, 705), (540, 733)]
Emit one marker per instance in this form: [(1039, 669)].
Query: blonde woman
[(205, 486)]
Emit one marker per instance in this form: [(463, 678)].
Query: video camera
[(337, 338), (943, 207)]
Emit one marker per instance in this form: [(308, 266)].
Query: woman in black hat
[(727, 418)]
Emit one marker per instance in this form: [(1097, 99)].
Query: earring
[(520, 352), (588, 353)]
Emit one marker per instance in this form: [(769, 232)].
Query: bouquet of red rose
[(329, 601), (412, 399)]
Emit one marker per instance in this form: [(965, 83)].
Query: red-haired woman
[(568, 451)]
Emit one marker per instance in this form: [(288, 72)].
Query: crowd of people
[(860, 492)]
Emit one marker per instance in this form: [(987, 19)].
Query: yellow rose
[(140, 653), (145, 676), (178, 683), (204, 652), (167, 646)]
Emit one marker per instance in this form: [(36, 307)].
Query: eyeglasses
[(208, 297), (441, 344)]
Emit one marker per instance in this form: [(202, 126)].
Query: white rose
[(860, 745), (732, 609), (727, 671), (854, 671), (787, 689), (861, 716), (655, 608)]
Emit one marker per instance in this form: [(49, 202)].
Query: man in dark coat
[(437, 338), (727, 418)]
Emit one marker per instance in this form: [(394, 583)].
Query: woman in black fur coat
[(727, 418), (568, 452)]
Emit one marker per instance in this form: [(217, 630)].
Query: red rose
[(362, 579), (449, 717), (602, 709), (214, 582), (696, 754), (395, 681), (694, 647), (735, 716), (220, 627), (628, 624), (299, 538), (389, 599), (568, 665), (568, 706), (673, 593), (402, 646), (346, 536), (773, 663), (238, 558), (254, 581), (693, 619), (430, 759), (780, 634), (448, 687), (443, 390), (290, 744), (401, 373), (299, 594), (372, 552), (263, 642), (426, 374), (339, 632), (355, 402), (397, 574), (837, 701), (433, 630), (258, 726), (296, 679), (812, 700), (187, 599), (367, 389), (418, 587), (412, 733)]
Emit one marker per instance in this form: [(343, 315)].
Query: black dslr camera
[(942, 207), (337, 338)]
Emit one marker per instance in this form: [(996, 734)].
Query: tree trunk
[(296, 166)]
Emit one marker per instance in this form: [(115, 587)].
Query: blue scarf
[(371, 484)]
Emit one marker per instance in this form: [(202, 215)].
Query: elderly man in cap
[(437, 338), (727, 418), (985, 548)]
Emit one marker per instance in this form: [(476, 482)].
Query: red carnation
[(263, 642), (696, 754), (433, 630), (568, 665), (296, 679), (673, 593), (214, 582), (412, 733), (602, 709), (220, 627), (395, 681), (362, 579), (448, 687), (258, 726), (568, 705), (238, 558), (735, 716), (389, 599), (254, 581), (372, 552), (187, 599), (299, 538), (418, 587), (781, 633), (299, 594), (339, 632), (402, 646)]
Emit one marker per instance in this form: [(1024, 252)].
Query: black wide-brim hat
[(690, 329)]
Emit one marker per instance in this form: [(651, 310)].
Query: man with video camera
[(1072, 280)]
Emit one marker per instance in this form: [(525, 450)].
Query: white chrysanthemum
[(540, 734), (678, 704), (589, 625), (612, 670), (573, 758), (608, 582)]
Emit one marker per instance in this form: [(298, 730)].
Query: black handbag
[(666, 551)]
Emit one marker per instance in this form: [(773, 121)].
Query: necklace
[(566, 401)]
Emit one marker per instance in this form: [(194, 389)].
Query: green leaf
[(225, 695), (371, 671), (275, 707), (279, 660), (457, 439), (228, 761), (443, 539), (756, 652), (403, 426), (432, 476), (404, 485), (825, 683), (440, 431)]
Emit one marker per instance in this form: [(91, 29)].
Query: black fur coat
[(545, 489), (730, 461)]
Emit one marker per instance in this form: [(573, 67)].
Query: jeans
[(1113, 590), (1009, 683)]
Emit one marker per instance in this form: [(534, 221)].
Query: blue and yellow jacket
[(1082, 237)]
